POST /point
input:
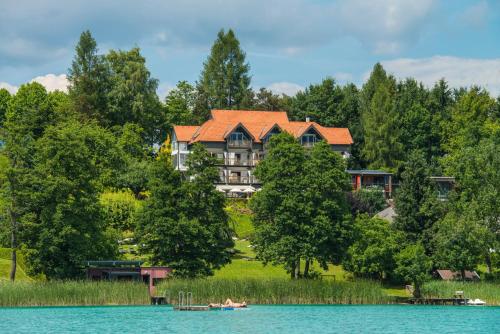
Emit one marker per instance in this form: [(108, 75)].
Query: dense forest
[(83, 169)]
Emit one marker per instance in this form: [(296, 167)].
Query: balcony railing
[(239, 180), (240, 162), (241, 143), (308, 144)]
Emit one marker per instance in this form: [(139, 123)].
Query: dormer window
[(308, 140), (238, 139)]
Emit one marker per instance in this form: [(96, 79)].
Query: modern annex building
[(238, 139)]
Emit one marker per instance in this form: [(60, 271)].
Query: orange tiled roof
[(257, 123), (185, 132)]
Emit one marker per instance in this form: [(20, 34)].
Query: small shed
[(448, 275), (153, 275)]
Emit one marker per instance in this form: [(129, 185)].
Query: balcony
[(239, 143), (240, 162)]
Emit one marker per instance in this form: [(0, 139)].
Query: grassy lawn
[(245, 266), (5, 271), (241, 223)]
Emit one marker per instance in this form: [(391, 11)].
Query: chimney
[(308, 119)]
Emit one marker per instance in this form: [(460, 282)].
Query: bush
[(368, 200), (119, 209)]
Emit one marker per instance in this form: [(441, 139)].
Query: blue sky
[(289, 43)]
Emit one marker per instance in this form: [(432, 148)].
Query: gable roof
[(446, 274), (228, 132), (185, 132), (257, 124)]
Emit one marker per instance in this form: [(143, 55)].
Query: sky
[(289, 44)]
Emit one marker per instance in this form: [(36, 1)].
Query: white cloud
[(476, 15), (459, 72), (288, 88), (12, 89), (50, 81), (384, 25), (53, 82)]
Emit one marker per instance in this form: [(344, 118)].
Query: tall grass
[(72, 293), (489, 292), (277, 291)]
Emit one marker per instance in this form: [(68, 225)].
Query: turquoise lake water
[(256, 319)]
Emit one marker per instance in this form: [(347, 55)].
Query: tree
[(203, 205), (301, 211), (29, 112), (4, 101), (439, 104), (470, 121), (279, 209), (417, 129), (180, 104), (119, 209), (328, 233), (137, 157), (461, 243), (160, 213), (382, 148), (413, 266), (89, 79), (417, 206), (132, 95), (183, 223), (224, 80), (372, 253), (74, 162), (321, 103), (265, 99)]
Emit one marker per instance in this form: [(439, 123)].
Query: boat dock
[(438, 301), (192, 308)]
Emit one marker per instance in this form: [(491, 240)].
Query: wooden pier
[(438, 301), (192, 308)]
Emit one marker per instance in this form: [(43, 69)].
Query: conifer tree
[(224, 82), (89, 79), (382, 148)]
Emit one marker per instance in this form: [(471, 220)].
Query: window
[(308, 140), (182, 160), (238, 139)]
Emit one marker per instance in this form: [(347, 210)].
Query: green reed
[(487, 291), (66, 293), (277, 291)]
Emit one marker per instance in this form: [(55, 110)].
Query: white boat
[(476, 302)]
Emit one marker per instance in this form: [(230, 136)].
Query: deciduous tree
[(74, 162), (372, 253), (414, 266)]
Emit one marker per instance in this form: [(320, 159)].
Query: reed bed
[(72, 293), (487, 291), (277, 291)]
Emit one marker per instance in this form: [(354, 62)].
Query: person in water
[(229, 303)]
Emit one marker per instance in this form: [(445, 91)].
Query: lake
[(256, 319)]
